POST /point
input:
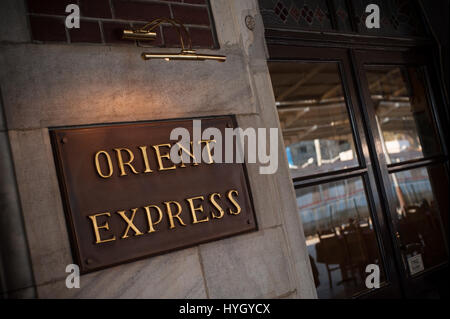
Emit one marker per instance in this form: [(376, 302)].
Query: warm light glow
[(139, 35), (183, 55), (186, 53)]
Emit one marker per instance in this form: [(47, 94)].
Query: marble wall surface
[(46, 85)]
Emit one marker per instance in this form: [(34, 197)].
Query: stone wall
[(48, 85)]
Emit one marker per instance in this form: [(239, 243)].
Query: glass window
[(402, 112), (295, 14), (340, 237), (313, 116), (419, 225), (342, 15), (397, 17)]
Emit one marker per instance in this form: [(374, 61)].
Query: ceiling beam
[(303, 79)]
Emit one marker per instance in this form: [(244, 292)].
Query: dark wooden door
[(401, 109), (381, 194)]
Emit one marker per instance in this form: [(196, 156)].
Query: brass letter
[(209, 149), (145, 157), (235, 203), (129, 221), (97, 164), (122, 163), (172, 216), (216, 205), (194, 209), (160, 157), (149, 217), (97, 227), (194, 160)]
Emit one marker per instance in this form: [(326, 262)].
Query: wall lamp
[(139, 35), (146, 33)]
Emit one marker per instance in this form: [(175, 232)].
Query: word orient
[(129, 160), (254, 149)]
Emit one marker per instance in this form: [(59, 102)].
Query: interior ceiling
[(311, 103), (303, 81)]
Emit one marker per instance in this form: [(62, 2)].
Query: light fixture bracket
[(187, 53), (138, 35)]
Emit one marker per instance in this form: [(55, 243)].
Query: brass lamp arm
[(177, 24), (147, 33)]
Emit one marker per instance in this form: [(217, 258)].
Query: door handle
[(406, 247), (402, 246)]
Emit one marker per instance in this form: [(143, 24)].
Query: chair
[(329, 251)]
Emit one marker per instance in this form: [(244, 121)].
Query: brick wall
[(103, 20)]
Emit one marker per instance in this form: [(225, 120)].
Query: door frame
[(412, 286), (391, 288), (349, 58)]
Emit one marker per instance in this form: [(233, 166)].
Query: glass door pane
[(313, 115), (402, 113), (413, 169), (331, 180), (340, 236), (419, 227)]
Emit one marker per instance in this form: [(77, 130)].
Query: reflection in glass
[(402, 113), (313, 117), (418, 219), (339, 236)]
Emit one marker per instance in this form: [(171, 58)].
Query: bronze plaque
[(125, 199)]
